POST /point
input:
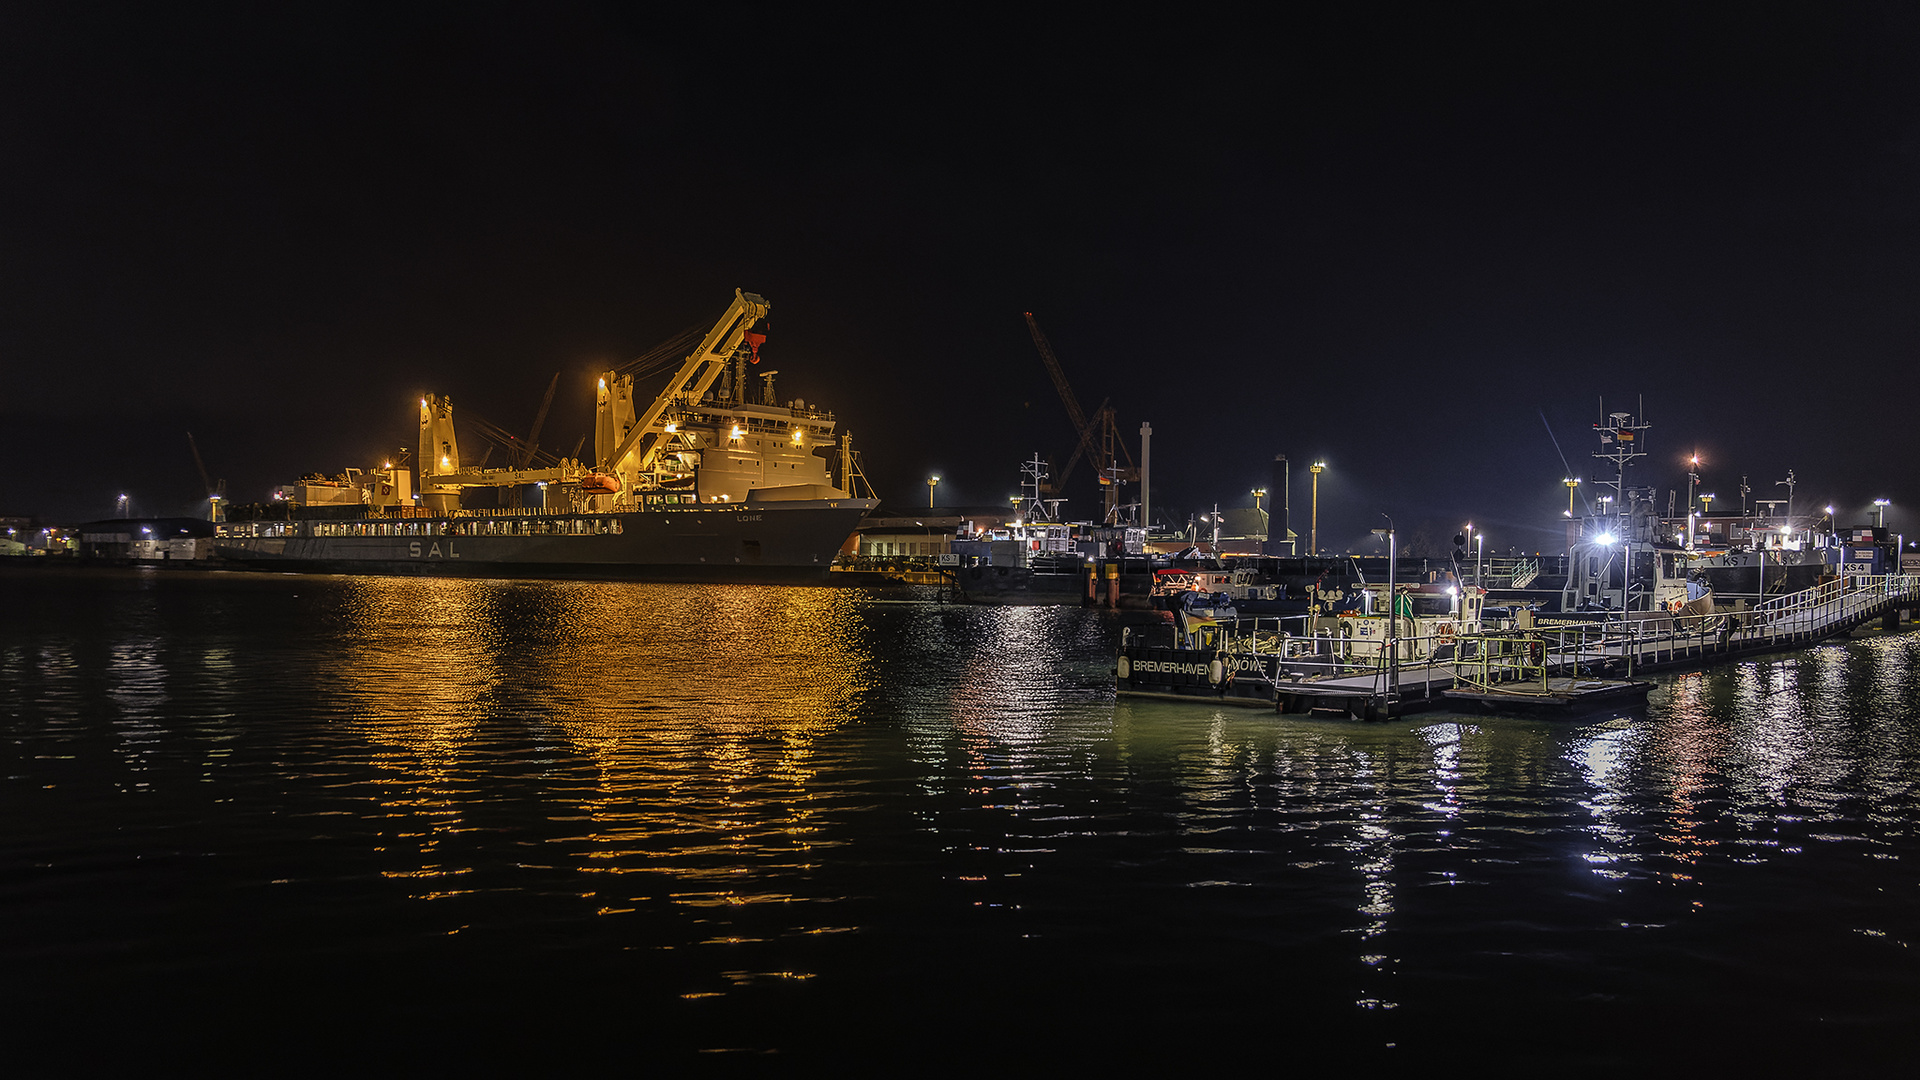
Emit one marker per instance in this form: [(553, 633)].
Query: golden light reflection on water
[(696, 708)]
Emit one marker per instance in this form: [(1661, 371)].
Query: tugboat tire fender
[(1216, 671), (1124, 669)]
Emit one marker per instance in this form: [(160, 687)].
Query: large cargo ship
[(712, 481)]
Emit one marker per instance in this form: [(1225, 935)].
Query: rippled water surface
[(387, 824)]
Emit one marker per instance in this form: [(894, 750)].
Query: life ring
[(1216, 672), (1444, 629), (1533, 652), (1673, 606), (1124, 669)]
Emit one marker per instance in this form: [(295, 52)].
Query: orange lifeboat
[(596, 484)]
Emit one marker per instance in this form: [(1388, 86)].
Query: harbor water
[(270, 823)]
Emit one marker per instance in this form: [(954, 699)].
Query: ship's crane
[(532, 445), (629, 445), (216, 493), (1109, 449)]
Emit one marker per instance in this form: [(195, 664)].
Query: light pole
[(932, 482), (1706, 507), (1879, 512), (1479, 557), (124, 506), (1313, 526), (1693, 480), (1572, 484), (1393, 612)]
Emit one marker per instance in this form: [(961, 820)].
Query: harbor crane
[(1109, 450), (216, 493)]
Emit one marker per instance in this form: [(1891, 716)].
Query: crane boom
[(539, 418), (1107, 451), (205, 480), (1080, 449), (1080, 425), (689, 384), (215, 492)]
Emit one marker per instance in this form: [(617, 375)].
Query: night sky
[(1398, 239)]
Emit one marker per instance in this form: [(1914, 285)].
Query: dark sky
[(1393, 238)]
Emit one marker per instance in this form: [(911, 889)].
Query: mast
[(1621, 440)]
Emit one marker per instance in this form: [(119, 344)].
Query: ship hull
[(1739, 574), (793, 543)]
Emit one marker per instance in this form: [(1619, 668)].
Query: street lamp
[(122, 506), (1693, 479), (1571, 485), (1258, 494), (1879, 513), (1313, 527), (1479, 557), (1706, 507), (932, 482)]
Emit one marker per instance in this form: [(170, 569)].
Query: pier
[(1564, 663)]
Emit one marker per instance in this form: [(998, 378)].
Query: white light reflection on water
[(1604, 758), (1445, 740)]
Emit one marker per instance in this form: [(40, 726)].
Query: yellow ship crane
[(629, 445)]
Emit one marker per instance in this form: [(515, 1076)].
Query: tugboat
[(1038, 559)]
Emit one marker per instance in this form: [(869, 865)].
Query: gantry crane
[(1110, 449)]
